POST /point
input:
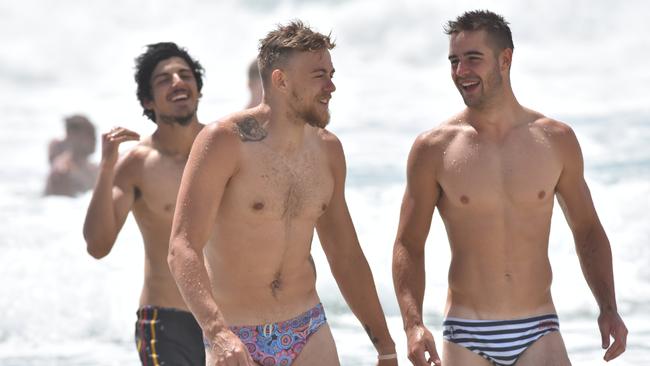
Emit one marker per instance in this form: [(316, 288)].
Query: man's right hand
[(226, 349), (112, 140), (419, 341)]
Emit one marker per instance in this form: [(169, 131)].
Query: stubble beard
[(182, 120), (494, 81)]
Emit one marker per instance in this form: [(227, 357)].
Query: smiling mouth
[(178, 96), (325, 100), (469, 86)]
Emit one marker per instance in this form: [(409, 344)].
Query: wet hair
[(277, 47), (78, 122), (147, 62), (494, 24)]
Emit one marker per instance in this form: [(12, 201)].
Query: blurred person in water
[(254, 85), (493, 171), (70, 171), (145, 181)]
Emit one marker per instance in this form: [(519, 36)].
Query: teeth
[(179, 97)]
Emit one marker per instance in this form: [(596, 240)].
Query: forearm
[(100, 227), (595, 255), (188, 269), (409, 281), (358, 288)]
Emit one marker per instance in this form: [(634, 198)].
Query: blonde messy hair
[(277, 47)]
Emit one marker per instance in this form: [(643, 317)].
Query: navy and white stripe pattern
[(500, 342)]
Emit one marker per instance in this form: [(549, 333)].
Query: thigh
[(457, 355), (172, 339), (319, 350), (546, 351)]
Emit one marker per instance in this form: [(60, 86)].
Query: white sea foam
[(581, 62)]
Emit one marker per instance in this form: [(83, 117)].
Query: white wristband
[(387, 357)]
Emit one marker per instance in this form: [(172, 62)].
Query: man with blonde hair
[(256, 185)]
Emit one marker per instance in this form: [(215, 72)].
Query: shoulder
[(329, 140), (131, 163), (138, 153), (221, 134), (437, 139), (331, 146), (559, 133)]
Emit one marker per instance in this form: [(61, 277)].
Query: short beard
[(181, 120), (310, 116), (314, 120)]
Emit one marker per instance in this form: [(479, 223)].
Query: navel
[(324, 207), (168, 207), (257, 206), (276, 285), (464, 199), (541, 194)]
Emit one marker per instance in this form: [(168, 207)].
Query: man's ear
[(505, 59), (279, 79), (147, 104)]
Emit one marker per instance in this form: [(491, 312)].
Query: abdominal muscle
[(261, 278), (498, 271)]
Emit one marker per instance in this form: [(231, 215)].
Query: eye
[(162, 80)]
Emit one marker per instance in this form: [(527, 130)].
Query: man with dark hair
[(257, 183), (493, 171), (70, 171), (145, 181)]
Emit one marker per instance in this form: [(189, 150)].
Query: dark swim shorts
[(168, 337)]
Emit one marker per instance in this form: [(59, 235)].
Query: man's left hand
[(611, 324)]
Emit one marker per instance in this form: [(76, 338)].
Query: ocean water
[(582, 62)]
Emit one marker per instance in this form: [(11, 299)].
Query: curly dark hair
[(494, 24), (147, 62)]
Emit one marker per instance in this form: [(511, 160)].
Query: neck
[(176, 139), (500, 114), (285, 130)]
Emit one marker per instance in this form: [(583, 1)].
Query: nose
[(330, 87), (176, 79), (460, 69)]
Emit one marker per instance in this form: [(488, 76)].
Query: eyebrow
[(322, 70), (468, 53), (166, 73)]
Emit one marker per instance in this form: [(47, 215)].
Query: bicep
[(572, 191), (335, 227), (420, 197)]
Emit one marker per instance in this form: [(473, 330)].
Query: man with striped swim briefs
[(500, 342), (493, 171)]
